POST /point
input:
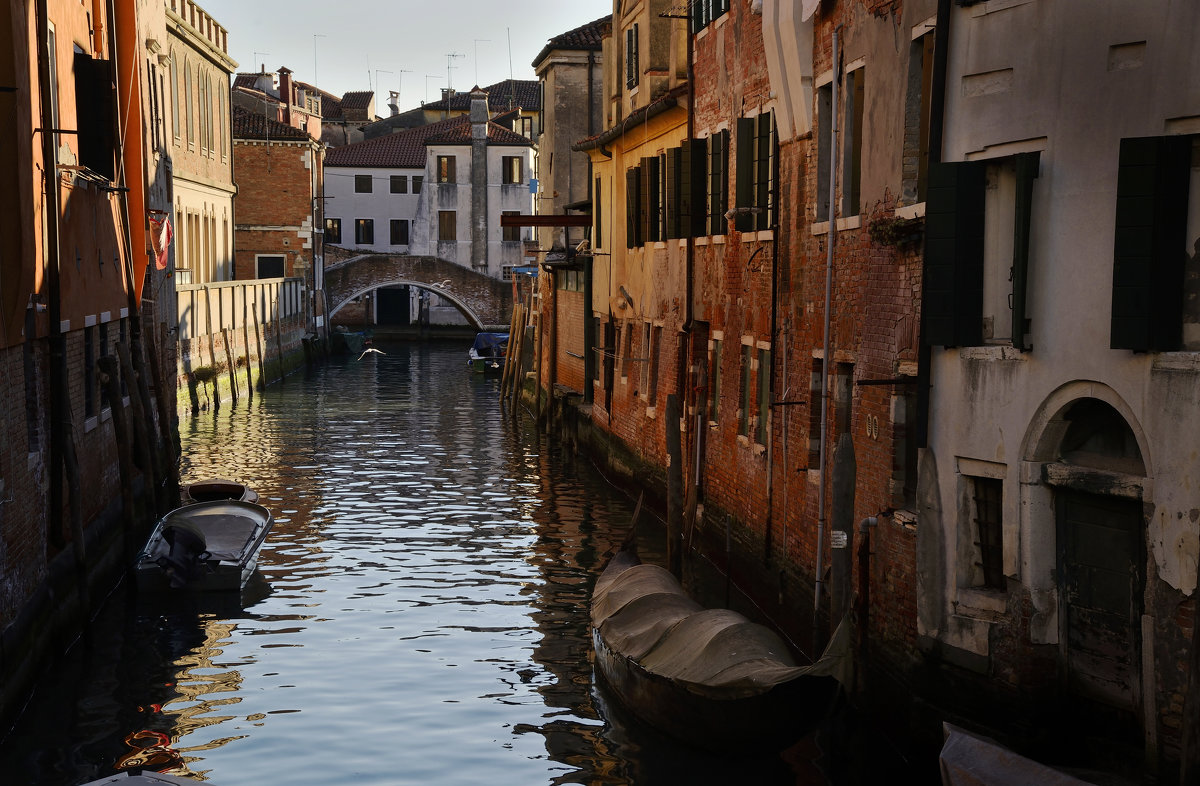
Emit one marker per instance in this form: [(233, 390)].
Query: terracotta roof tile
[(525, 93), (585, 37), (406, 149), (250, 125)]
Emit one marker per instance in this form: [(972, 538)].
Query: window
[(104, 400), (821, 128), (655, 350), (202, 119), (633, 207), (978, 216), (187, 100), (632, 70), (756, 157), (915, 160), (399, 184), (174, 98), (597, 216), (644, 370), (714, 380), (648, 201), (744, 392), (704, 12), (1156, 253), (764, 396), (447, 226), (269, 266), (89, 372), (853, 141), (362, 184), (417, 182), (512, 170), (445, 169), (93, 110), (718, 182), (510, 234), (333, 230), (399, 228), (987, 519), (626, 349), (364, 231)]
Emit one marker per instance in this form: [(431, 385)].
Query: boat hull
[(230, 534), (767, 721), (213, 489)]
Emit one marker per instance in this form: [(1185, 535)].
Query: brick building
[(280, 188), (74, 272)]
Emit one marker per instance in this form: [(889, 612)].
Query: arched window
[(191, 110), (174, 97), (202, 120)]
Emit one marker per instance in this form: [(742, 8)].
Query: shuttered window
[(718, 182), (631, 58), (1150, 243), (633, 198), (952, 304), (756, 165), (648, 207)]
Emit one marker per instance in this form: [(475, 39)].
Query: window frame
[(334, 224), (364, 231), (446, 169), (399, 228), (364, 184), (398, 184), (512, 170), (447, 226)]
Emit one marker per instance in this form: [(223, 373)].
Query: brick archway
[(484, 301)]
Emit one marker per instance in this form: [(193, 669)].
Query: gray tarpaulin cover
[(643, 613)]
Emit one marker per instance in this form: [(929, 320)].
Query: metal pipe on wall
[(826, 354)]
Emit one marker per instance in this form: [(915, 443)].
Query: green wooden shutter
[(745, 173), (631, 207), (717, 182), (952, 305), (699, 161), (1027, 171), (644, 202), (672, 200), (765, 161), (686, 151), (1150, 243)]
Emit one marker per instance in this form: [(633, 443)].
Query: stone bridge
[(484, 301)]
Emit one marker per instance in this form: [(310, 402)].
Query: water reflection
[(420, 614)]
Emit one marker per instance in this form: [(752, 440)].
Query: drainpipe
[(826, 354)]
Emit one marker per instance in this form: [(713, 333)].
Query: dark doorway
[(1101, 559), (393, 305)]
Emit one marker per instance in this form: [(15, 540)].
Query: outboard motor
[(184, 560)]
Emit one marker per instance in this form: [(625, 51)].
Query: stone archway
[(485, 301)]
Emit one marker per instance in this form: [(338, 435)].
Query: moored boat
[(488, 353), (708, 677), (212, 489), (141, 779), (205, 546)]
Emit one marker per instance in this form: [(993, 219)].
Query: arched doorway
[(1096, 475)]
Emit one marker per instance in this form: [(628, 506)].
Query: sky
[(402, 45)]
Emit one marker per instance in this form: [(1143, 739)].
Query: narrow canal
[(420, 616)]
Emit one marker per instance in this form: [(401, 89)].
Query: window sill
[(718, 240), (911, 211), (981, 604), (820, 227), (763, 235), (850, 222), (651, 412), (702, 241), (89, 424), (995, 352)]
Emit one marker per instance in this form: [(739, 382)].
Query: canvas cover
[(970, 760), (642, 612)]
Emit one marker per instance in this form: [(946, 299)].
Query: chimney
[(265, 82), (479, 180), (394, 102), (285, 93)]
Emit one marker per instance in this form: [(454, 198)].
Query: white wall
[(381, 205)]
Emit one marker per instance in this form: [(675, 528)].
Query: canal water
[(419, 615)]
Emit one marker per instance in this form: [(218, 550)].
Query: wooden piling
[(249, 357), (230, 362), (279, 337), (262, 367)]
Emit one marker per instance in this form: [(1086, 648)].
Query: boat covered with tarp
[(973, 760), (212, 489), (708, 677), (487, 354), (204, 547)]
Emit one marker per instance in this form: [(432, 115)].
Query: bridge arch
[(486, 302), (458, 302)]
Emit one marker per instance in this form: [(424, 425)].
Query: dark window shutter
[(632, 193), (672, 200), (1027, 171), (952, 305), (686, 150), (1150, 243), (699, 180), (650, 200), (763, 179), (718, 181), (745, 173), (644, 202), (598, 215), (94, 113)]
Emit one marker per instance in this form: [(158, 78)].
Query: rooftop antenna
[(449, 64), (264, 65), (379, 71), (400, 82), (477, 40), (315, 37), (512, 88), (427, 78)]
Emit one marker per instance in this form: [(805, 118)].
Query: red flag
[(161, 235)]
